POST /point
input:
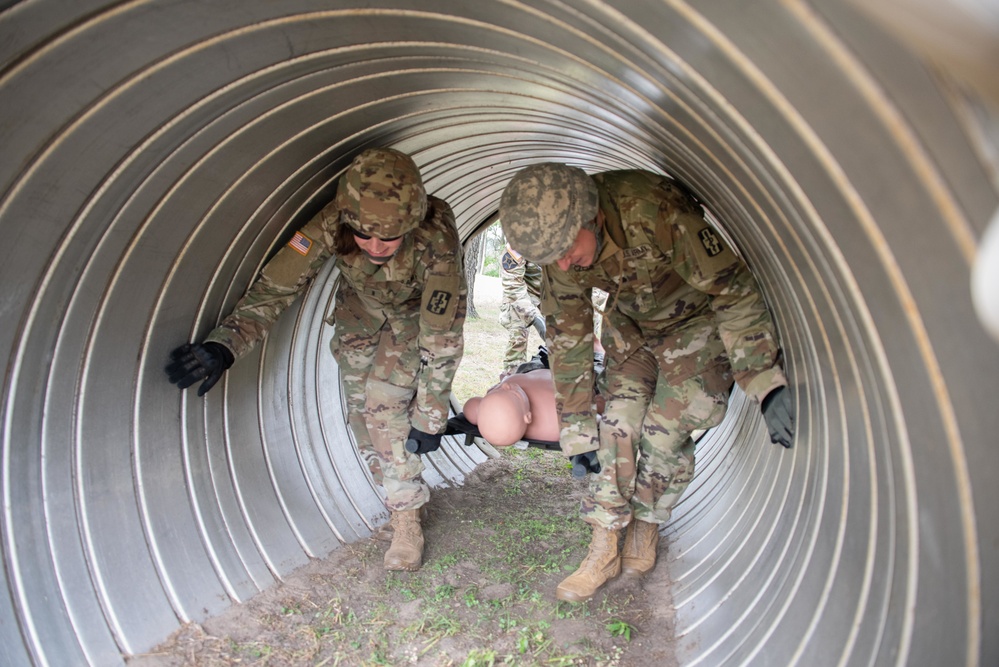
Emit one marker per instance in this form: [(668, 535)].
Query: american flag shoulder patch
[(300, 243)]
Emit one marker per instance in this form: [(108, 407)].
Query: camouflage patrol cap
[(543, 208), (381, 194)]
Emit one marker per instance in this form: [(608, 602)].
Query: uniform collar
[(397, 269)]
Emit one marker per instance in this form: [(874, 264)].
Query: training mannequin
[(521, 407)]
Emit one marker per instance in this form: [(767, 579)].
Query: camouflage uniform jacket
[(520, 279), (674, 286), (420, 292)]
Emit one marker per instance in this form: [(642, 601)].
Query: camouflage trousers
[(378, 374), (646, 452), (517, 317)]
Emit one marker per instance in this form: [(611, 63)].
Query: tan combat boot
[(384, 532), (406, 551), (601, 564), (640, 541)]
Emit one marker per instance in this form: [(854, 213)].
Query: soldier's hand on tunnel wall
[(778, 412), (196, 361)]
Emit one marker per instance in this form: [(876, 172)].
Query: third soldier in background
[(683, 320), (521, 281)]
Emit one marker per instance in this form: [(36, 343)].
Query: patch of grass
[(409, 588), (444, 624), (443, 592), (471, 597), (565, 610), (379, 656), (533, 543), (292, 608), (618, 628), (512, 490), (615, 606), (253, 650), (480, 658), (447, 560), (508, 622)]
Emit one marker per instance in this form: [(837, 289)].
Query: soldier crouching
[(398, 315), (684, 318)]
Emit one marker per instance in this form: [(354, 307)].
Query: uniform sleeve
[(517, 302), (280, 282), (708, 264), (512, 278), (442, 320), (568, 312), (532, 280)]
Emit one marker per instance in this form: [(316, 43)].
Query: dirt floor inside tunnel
[(497, 546)]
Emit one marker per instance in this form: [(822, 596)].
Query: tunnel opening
[(156, 153)]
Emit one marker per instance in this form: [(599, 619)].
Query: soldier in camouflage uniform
[(521, 281), (398, 315), (683, 319)]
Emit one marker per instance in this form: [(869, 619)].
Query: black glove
[(543, 356), (537, 362), (419, 442), (584, 463), (778, 413), (194, 361)]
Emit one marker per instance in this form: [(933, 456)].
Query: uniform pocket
[(708, 404), (693, 351), (351, 311), (397, 359)]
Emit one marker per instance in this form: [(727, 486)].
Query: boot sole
[(571, 596), (402, 567), (567, 596), (637, 571)]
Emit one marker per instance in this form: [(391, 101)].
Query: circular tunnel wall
[(156, 152)]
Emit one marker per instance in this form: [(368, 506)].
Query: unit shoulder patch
[(508, 262), (709, 239), (440, 301)]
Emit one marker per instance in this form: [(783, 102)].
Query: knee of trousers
[(381, 396), (386, 413), (622, 422)]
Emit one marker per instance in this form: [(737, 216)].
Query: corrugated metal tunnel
[(156, 151)]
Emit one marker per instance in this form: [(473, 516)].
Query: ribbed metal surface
[(154, 154)]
